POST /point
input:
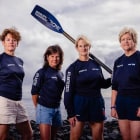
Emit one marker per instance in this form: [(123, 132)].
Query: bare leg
[(125, 129), (25, 130), (3, 131), (76, 131), (45, 131), (97, 130), (135, 130)]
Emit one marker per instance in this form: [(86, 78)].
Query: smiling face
[(83, 48), (53, 60), (9, 44), (127, 43)]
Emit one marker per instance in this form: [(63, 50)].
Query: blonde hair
[(84, 38), (131, 31)]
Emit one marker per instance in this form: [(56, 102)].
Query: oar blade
[(47, 19)]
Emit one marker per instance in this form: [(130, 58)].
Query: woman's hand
[(114, 113), (72, 121), (35, 99), (138, 112)]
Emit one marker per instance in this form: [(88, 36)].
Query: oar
[(47, 19)]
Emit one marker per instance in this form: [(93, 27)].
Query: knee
[(3, 137), (75, 136), (28, 135)]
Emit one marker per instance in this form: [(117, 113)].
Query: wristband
[(113, 107)]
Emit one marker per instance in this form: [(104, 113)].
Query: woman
[(11, 78), (46, 92), (83, 100), (125, 100)]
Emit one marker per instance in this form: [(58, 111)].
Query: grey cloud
[(100, 20)]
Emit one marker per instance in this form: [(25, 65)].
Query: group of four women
[(82, 90)]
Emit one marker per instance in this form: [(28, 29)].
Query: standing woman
[(83, 100), (11, 78), (46, 92), (125, 101)]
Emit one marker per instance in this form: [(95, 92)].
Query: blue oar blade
[(46, 19), (52, 23)]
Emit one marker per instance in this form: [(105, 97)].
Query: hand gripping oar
[(47, 19)]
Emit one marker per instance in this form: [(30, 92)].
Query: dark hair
[(53, 49), (15, 34)]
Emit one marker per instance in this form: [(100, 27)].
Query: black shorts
[(91, 109), (127, 107)]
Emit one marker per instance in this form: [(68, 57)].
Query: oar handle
[(91, 55)]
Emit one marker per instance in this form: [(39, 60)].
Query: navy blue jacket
[(126, 75), (11, 77), (49, 84), (83, 78)]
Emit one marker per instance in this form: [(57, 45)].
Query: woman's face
[(127, 42), (83, 48), (53, 60), (9, 43)]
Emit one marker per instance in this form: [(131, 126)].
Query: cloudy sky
[(99, 20)]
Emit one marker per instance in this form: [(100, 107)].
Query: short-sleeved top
[(126, 75), (49, 84), (11, 77)]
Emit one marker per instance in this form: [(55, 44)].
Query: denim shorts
[(51, 116), (91, 109), (127, 107), (12, 112)]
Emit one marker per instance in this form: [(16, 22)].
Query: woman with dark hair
[(46, 92)]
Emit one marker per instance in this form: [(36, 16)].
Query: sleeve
[(69, 92), (114, 82), (20, 60), (105, 83), (0, 60), (37, 82)]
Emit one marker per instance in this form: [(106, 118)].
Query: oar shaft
[(91, 55), (101, 63), (69, 37)]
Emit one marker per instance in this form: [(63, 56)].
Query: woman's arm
[(35, 99), (38, 80), (113, 104), (69, 92)]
